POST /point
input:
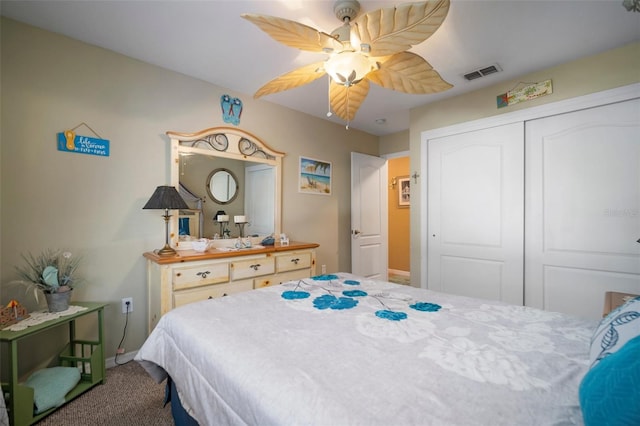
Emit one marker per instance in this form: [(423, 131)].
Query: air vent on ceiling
[(491, 69)]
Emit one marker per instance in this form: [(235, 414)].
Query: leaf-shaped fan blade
[(345, 101), (409, 73), (395, 29), (295, 78), (294, 34)]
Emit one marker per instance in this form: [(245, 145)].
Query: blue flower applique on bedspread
[(293, 294), (325, 277), (391, 315), (425, 307), (348, 298), (329, 301)]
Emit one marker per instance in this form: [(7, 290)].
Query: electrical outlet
[(128, 309), (324, 269)]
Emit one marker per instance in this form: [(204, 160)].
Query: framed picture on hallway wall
[(404, 191)]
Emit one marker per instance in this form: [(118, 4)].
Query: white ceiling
[(208, 40)]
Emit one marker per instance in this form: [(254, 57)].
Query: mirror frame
[(235, 181), (225, 142)]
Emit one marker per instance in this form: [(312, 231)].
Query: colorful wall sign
[(68, 141), (526, 93)]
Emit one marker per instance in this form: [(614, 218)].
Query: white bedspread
[(352, 351)]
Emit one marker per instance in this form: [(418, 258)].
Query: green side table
[(86, 355)]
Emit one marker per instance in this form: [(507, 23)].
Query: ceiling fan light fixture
[(372, 48), (348, 67)]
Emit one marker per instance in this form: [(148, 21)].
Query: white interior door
[(476, 213), (369, 252), (259, 199), (583, 208)]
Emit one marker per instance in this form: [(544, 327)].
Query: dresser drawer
[(264, 281), (184, 297), (293, 261), (197, 276), (252, 267)]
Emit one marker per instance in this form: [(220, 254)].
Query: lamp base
[(166, 251)]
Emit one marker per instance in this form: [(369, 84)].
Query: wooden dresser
[(191, 276)]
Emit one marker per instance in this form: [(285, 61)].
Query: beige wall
[(608, 70), (93, 205), (395, 142)]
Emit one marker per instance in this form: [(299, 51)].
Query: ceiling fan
[(369, 48)]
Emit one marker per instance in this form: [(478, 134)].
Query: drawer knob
[(255, 266), (203, 274), (295, 261)]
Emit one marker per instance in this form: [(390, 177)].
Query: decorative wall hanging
[(69, 141), (315, 176), (404, 191), (526, 93), (231, 109)]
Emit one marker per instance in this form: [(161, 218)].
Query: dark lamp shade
[(166, 197)]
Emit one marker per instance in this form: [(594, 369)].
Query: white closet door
[(476, 208), (582, 208)]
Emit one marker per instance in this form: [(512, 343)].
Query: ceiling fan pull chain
[(348, 119), (329, 113)]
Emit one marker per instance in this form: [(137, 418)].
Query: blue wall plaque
[(70, 142)]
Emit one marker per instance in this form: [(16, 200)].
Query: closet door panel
[(582, 208), (476, 207)]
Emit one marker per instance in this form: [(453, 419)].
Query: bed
[(344, 350)]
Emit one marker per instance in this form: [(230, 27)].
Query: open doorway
[(399, 205)]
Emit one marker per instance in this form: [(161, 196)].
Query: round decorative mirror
[(222, 186)]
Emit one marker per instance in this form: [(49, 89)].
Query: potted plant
[(53, 272)]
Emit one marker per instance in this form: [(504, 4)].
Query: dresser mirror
[(241, 176)]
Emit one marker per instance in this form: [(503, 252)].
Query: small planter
[(58, 302)]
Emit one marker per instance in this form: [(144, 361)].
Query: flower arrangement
[(53, 271)]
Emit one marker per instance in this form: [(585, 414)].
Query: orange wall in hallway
[(399, 223)]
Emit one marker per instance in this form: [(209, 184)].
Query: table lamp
[(167, 198)]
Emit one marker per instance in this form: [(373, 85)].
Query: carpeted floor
[(400, 279), (129, 397)]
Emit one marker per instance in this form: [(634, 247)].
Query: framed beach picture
[(404, 191), (314, 177)]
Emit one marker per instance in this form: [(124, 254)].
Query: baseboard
[(399, 272), (122, 359)]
